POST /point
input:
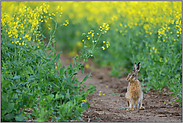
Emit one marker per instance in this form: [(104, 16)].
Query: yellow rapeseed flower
[(84, 101), (103, 48), (160, 59), (155, 51)]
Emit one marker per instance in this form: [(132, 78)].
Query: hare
[(134, 93)]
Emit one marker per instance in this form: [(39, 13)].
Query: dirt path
[(111, 106)]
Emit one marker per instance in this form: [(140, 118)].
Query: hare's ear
[(138, 66), (134, 66)]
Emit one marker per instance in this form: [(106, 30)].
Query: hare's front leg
[(128, 100), (136, 105), (141, 107), (131, 104)]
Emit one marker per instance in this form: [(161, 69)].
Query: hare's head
[(133, 75)]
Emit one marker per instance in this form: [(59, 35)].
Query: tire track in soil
[(110, 107)]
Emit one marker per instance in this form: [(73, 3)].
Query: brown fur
[(135, 89)]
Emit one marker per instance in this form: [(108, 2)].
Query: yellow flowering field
[(149, 32)]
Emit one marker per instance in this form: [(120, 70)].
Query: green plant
[(32, 76)]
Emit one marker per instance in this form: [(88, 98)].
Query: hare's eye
[(133, 75)]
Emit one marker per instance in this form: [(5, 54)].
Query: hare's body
[(134, 93)]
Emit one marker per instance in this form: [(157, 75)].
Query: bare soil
[(111, 105)]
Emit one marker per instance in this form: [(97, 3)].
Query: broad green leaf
[(59, 63), (62, 70), (48, 98), (18, 91), (4, 106), (30, 69), (40, 120), (91, 89), (68, 94), (57, 57), (58, 96), (52, 96), (26, 100), (178, 100), (86, 77), (4, 83), (16, 77), (19, 117), (82, 69), (31, 78), (9, 117), (84, 106), (54, 55), (180, 96), (29, 94), (10, 107), (34, 84), (70, 65)]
